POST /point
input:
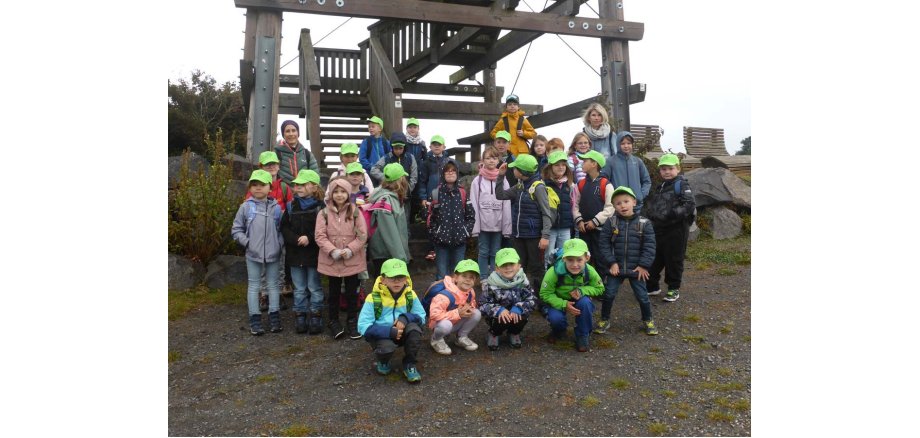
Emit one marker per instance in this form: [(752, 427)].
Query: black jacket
[(668, 208), (298, 222)]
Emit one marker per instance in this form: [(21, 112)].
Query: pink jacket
[(439, 303), (339, 230)]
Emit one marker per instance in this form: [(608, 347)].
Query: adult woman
[(597, 127), (293, 155)]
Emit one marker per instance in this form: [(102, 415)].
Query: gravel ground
[(692, 379)]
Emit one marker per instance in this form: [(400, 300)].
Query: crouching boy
[(567, 288)]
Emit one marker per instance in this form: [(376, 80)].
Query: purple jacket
[(491, 214)]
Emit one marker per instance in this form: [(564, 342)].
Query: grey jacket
[(257, 227)]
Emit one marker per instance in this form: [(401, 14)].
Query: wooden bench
[(704, 142)]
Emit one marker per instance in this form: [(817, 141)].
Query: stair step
[(355, 128), (342, 121), (341, 136)]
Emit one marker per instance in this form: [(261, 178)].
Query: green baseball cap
[(354, 167), (349, 148), (376, 120), (525, 163), (268, 157), (305, 176), (261, 176), (504, 134), (555, 157), (412, 121), (668, 160), (438, 139), (467, 266), (393, 171), (394, 268), (512, 98), (596, 156), (574, 248), (505, 256), (624, 189)]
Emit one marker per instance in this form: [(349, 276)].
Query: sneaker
[(672, 295), (602, 326), (335, 329), (467, 343), (353, 329), (255, 325), (316, 323), (274, 321), (492, 342), (654, 292), (650, 328), (431, 256), (581, 344), (300, 322), (383, 368), (263, 303), (515, 341), (412, 375), (440, 347)]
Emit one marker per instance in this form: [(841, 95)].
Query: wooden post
[(615, 69), (492, 95), (261, 23)]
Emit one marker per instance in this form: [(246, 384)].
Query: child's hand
[(399, 328), (520, 133), (515, 318), (424, 203), (543, 244), (346, 253), (615, 269), (575, 294), (571, 309), (502, 169), (581, 227), (303, 240), (643, 273), (589, 226), (504, 317)]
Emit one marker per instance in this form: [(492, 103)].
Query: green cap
[(512, 98), (393, 171), (525, 163), (376, 120), (574, 248), (261, 176), (504, 134), (438, 139), (349, 148), (354, 167), (305, 176), (555, 157), (268, 157), (412, 121), (596, 156), (394, 268), (467, 266), (506, 255), (624, 189), (668, 160)]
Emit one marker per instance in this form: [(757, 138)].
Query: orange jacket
[(518, 145), (439, 303)]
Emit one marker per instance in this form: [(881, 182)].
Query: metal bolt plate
[(584, 26)]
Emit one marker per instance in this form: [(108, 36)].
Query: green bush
[(201, 209)]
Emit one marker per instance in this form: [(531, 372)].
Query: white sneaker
[(467, 343), (654, 292), (440, 347)]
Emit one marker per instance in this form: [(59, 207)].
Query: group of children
[(567, 222)]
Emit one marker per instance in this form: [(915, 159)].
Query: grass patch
[(725, 272), (668, 393), (292, 349), (724, 371), (692, 318), (657, 429), (619, 384), (735, 251), (590, 401), (655, 350), (683, 372), (747, 338), (727, 328), (174, 356), (694, 339), (266, 378), (730, 386), (720, 416), (296, 430), (681, 414), (746, 224), (741, 405), (602, 343), (393, 377), (180, 303), (702, 266), (645, 393)]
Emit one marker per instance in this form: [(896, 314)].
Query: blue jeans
[(254, 272), (489, 244), (639, 290), (447, 259), (304, 279), (557, 237), (583, 323)]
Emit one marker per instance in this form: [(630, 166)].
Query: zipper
[(626, 246), (265, 239), (519, 215)]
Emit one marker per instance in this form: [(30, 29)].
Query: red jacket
[(277, 193)]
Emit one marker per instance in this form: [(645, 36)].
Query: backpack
[(520, 126), (251, 214), (434, 202), (603, 183), (550, 193), (642, 223), (438, 288), (378, 302)]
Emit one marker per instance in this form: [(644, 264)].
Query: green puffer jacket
[(294, 160), (558, 283), (390, 240)]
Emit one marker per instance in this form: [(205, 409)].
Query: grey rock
[(694, 232), (240, 167), (225, 270), (726, 224), (237, 189), (195, 163), (714, 186), (184, 273)]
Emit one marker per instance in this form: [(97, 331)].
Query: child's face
[(301, 190), (395, 284), (374, 129), (355, 178), (502, 145), (437, 148), (339, 196), (589, 165), (539, 147), (509, 270), (559, 169), (490, 161), (626, 145), (519, 175), (258, 190), (398, 150), (273, 169), (465, 280), (668, 172), (624, 204), (512, 107), (313, 189), (595, 119), (575, 264), (450, 174), (582, 145), (412, 130), (349, 158), (290, 134)]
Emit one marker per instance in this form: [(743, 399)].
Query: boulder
[(225, 270), (240, 167), (237, 189), (739, 190), (195, 163), (726, 224), (714, 186), (694, 233), (184, 273)]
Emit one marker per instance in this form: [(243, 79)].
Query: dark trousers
[(531, 261), (638, 288), (497, 328), (591, 238), (351, 296), (670, 249), (411, 341)]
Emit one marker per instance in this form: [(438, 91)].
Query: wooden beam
[(439, 109), (444, 89), (551, 117), (460, 14)]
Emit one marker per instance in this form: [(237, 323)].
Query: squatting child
[(507, 299), (453, 308), (567, 288)]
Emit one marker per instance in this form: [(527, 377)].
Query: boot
[(274, 321), (316, 323), (335, 327), (353, 327), (300, 322), (255, 325)]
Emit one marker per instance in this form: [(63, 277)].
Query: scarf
[(563, 180), (415, 140), (306, 203), (490, 175), (598, 134), (519, 280)]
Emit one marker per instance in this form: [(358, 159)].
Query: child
[(597, 128), (624, 169), (392, 316), (554, 144), (463, 317), (389, 217), (493, 217), (416, 147), (568, 288), (532, 216), (627, 250), (398, 155), (450, 219), (501, 143), (507, 299), (513, 121), (349, 154), (430, 177), (257, 227), (293, 155), (341, 234), (298, 225), (671, 210), (281, 193), (374, 146), (359, 193), (594, 204), (580, 146), (558, 177), (538, 150)]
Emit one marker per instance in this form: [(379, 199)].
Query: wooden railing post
[(309, 89), (385, 94)]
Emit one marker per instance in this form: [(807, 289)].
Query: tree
[(198, 106), (745, 147)]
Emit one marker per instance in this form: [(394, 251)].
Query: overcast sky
[(694, 58)]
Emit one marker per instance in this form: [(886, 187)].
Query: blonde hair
[(400, 187), (491, 151), (575, 140), (595, 107), (553, 144)]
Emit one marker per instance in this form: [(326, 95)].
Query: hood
[(620, 136), (454, 162), (338, 182), (384, 197)]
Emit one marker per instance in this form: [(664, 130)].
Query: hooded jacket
[(439, 304), (452, 217), (293, 160), (430, 174), (299, 219), (518, 145), (393, 307), (558, 283), (406, 160), (628, 170), (500, 294), (261, 236), (666, 208), (339, 230), (390, 240), (340, 172), (490, 213), (620, 242), (371, 150)]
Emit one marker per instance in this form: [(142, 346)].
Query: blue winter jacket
[(391, 309), (620, 242), (629, 171), (372, 150)]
